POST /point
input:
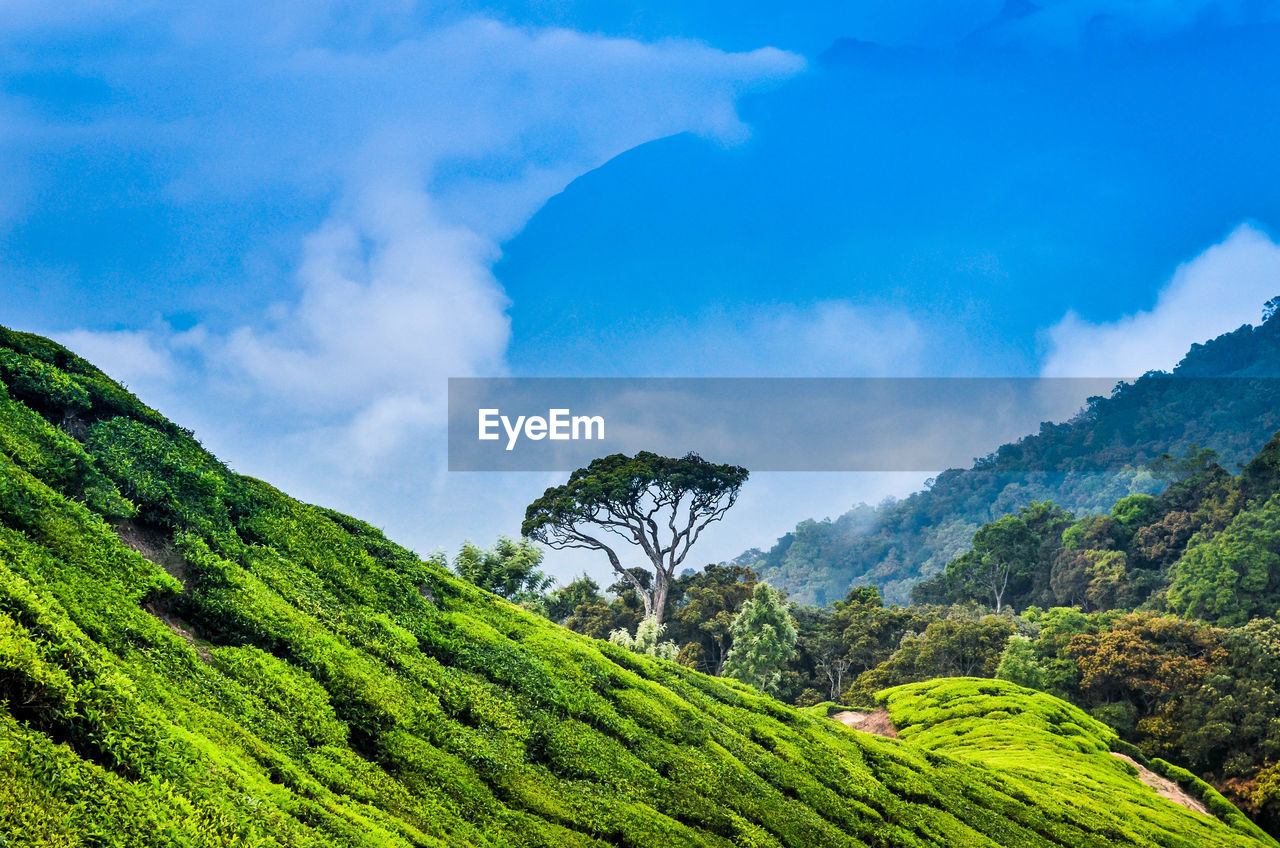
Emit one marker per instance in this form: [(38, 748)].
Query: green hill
[(190, 657), (1224, 395), (1068, 762)]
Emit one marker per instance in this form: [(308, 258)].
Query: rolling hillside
[(1066, 760), (190, 657)]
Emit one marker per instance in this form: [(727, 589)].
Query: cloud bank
[(1214, 293), (417, 151)]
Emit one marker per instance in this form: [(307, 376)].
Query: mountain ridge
[(1223, 395)]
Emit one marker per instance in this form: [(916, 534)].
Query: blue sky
[(287, 224)]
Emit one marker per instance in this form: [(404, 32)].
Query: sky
[(287, 224)]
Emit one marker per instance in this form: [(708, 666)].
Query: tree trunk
[(999, 583), (645, 597), (660, 587)]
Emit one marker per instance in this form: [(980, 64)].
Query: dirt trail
[(1164, 787), (876, 722)]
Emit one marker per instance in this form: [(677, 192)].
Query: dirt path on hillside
[(876, 722), (1164, 787)]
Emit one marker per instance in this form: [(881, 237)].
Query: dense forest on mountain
[(1223, 395), (190, 657)]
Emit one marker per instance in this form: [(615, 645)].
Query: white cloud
[(396, 292), (834, 338), (428, 150), (393, 300), (131, 355), (1214, 293)]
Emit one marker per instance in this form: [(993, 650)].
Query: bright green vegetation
[(509, 570), (646, 640), (1159, 617), (1084, 465), (274, 673), (1055, 753), (1207, 547)]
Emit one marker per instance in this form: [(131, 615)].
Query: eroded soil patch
[(876, 722), (156, 544)]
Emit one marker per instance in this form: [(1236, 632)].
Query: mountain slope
[(190, 657), (1224, 395)]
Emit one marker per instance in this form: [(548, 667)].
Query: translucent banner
[(818, 424)]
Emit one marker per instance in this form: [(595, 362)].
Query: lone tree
[(764, 640), (655, 502)]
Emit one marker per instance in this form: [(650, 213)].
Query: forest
[(1222, 396)]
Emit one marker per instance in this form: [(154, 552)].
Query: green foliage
[(282, 704), (559, 604), (1135, 510), (1171, 548), (508, 569), (1062, 757), (1000, 564), (702, 608), (1206, 548), (660, 504), (41, 385), (57, 459), (958, 644), (230, 667), (1019, 664), (764, 640), (170, 478), (1085, 465), (1234, 576), (648, 640)]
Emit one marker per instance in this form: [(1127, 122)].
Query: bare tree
[(835, 667), (1004, 554), (998, 572)]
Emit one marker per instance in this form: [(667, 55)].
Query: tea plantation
[(189, 657)]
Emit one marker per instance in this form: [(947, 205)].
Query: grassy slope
[(293, 678), (1057, 755)]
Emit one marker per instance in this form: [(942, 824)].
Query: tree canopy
[(659, 504)]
